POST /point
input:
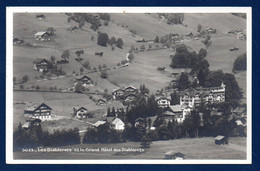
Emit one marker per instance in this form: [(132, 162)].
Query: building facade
[(41, 111), (41, 65), (194, 97)]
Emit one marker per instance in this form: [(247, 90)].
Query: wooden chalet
[(41, 65), (80, 112), (42, 36), (37, 111), (85, 80), (101, 102), (130, 89)]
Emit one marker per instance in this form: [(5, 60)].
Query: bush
[(112, 48), (103, 74), (102, 39), (104, 16), (240, 63), (25, 78), (119, 43), (133, 32), (37, 88)]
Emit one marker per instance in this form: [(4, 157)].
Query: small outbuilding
[(41, 16), (42, 36), (173, 155), (221, 140)]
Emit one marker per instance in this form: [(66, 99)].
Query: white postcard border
[(9, 78)]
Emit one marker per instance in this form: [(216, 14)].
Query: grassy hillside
[(143, 69)]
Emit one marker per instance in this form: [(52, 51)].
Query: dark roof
[(110, 119), (81, 77), (16, 39), (179, 154), (79, 108), (33, 107), (72, 28), (172, 153), (39, 60)]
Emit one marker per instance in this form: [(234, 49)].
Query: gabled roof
[(130, 87), (40, 33), (175, 108), (169, 152), (168, 113), (139, 119), (98, 123), (79, 108), (34, 106), (26, 124), (219, 137), (101, 100), (116, 121), (81, 77), (39, 60), (16, 39), (72, 28), (163, 98)]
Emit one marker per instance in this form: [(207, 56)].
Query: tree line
[(35, 137)]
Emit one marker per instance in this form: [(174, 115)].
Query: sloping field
[(61, 103), (194, 149), (143, 70), (222, 22), (147, 26)]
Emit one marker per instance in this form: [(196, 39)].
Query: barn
[(221, 140), (42, 36), (173, 155)]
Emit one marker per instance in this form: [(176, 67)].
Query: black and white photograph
[(129, 85)]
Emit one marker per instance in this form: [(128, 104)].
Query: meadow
[(193, 148)]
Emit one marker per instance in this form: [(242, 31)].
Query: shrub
[(133, 32), (112, 48), (240, 63), (103, 74), (25, 78), (102, 39), (37, 88), (119, 43)]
